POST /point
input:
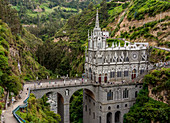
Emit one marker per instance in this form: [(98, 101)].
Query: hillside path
[(8, 112)]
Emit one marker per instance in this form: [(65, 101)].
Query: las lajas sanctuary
[(115, 68), (110, 85)]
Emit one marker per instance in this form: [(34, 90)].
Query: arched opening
[(56, 102), (134, 74), (105, 78), (100, 78), (117, 117), (78, 110), (100, 119), (60, 107), (109, 117)]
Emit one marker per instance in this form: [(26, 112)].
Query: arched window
[(110, 95), (85, 107), (136, 93), (105, 78), (125, 93), (134, 74), (109, 117), (119, 74), (126, 73), (93, 115), (112, 74), (127, 59), (100, 119), (100, 78), (117, 117), (141, 71)]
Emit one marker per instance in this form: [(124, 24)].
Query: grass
[(68, 9), (115, 11)]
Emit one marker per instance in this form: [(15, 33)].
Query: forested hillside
[(38, 111), (17, 52), (45, 17), (147, 109), (116, 17)]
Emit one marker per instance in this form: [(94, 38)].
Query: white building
[(115, 63)]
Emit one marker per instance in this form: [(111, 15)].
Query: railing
[(18, 118)]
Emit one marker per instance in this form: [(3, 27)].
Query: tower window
[(112, 74), (125, 105), (119, 74), (93, 115), (117, 106)]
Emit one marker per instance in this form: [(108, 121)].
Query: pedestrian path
[(8, 112)]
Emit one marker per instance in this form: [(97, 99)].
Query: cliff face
[(159, 88), (17, 58)]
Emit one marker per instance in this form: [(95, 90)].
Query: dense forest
[(45, 17)]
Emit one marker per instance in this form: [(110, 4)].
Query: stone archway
[(81, 99), (117, 117), (60, 107), (109, 118)]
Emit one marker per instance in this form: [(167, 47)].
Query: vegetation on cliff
[(38, 111), (146, 108), (76, 107), (17, 52)]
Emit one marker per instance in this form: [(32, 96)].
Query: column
[(66, 113)]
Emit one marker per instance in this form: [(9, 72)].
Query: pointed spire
[(97, 20), (113, 44), (125, 44)]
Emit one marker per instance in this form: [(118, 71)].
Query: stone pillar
[(66, 113)]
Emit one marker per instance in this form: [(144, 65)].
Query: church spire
[(97, 20)]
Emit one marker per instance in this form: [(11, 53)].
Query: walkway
[(8, 113), (162, 48)]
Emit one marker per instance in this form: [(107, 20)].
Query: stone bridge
[(62, 92)]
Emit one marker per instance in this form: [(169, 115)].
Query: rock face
[(162, 96)]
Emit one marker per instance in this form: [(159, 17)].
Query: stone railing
[(18, 118), (63, 84)]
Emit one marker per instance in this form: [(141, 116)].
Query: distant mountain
[(44, 17)]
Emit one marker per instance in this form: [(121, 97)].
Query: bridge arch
[(88, 91)]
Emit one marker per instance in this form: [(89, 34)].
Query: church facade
[(116, 63)]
